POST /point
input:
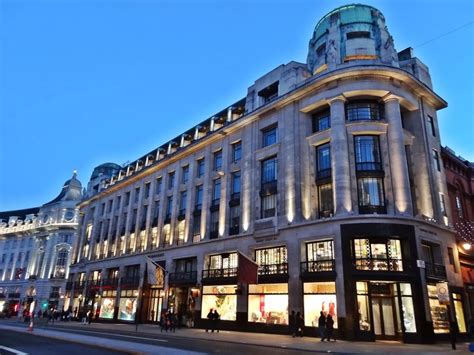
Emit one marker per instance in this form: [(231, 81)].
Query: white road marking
[(119, 335), (14, 351)]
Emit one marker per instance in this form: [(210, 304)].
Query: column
[(397, 156), (341, 182)]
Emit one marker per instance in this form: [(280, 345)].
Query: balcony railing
[(273, 269), (110, 282), (323, 174), (316, 266), (435, 271), (14, 295), (130, 281), (379, 264), (369, 166), (371, 209), (183, 277), (219, 273)]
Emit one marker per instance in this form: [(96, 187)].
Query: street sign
[(420, 264), (442, 292)]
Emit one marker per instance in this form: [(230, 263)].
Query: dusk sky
[(84, 82)]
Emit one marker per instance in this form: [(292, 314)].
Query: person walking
[(291, 324), (453, 333), (299, 323), (322, 325), (329, 332), (89, 317)]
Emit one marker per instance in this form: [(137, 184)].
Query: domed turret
[(350, 33), (71, 191)]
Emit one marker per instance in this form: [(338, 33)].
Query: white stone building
[(327, 174), (35, 252)]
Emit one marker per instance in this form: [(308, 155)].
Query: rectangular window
[(272, 260), (363, 306), (185, 176), (459, 312), (107, 306), (198, 202), (458, 203), (358, 34), (200, 168), (383, 255), (137, 194), (371, 194), (431, 125), (169, 207), (117, 205), (171, 180), (156, 213), (197, 228), (216, 192), (235, 186), (236, 152), (127, 305), (218, 160), (127, 198), (182, 203), (364, 111), (319, 297), (451, 259), (268, 304), (221, 298), (325, 198), (269, 170), (269, 136), (323, 161), (214, 228), (158, 185), (436, 160), (367, 153), (269, 204), (102, 209), (321, 121), (234, 225), (147, 190)]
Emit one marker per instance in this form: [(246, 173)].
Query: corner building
[(327, 174), (36, 252)]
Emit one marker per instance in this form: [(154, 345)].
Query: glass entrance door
[(383, 317)]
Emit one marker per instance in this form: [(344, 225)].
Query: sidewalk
[(272, 340)]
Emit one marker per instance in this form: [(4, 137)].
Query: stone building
[(460, 180), (327, 174), (35, 252)]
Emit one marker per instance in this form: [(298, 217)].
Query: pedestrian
[(322, 325), (291, 324), (210, 323), (163, 324), (470, 328), (84, 318), (216, 319), (299, 323), (173, 322), (329, 332), (89, 317), (453, 332)]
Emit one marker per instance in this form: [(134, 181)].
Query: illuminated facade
[(36, 250), (327, 174), (460, 181)]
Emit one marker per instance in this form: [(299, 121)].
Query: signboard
[(420, 264), (442, 292)]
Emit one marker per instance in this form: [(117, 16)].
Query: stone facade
[(36, 250), (325, 174)]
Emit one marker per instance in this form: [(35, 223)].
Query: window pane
[(408, 315), (459, 311), (363, 310), (225, 304), (269, 170), (269, 309), (325, 198), (323, 157), (371, 192)]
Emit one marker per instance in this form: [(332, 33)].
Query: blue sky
[(85, 82)]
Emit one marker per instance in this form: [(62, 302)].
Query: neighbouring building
[(328, 174), (460, 180), (35, 252)]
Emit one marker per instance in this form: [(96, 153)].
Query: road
[(35, 345)]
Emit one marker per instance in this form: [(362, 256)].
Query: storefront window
[(363, 306), (459, 311), (321, 250), (439, 312), (268, 303), (221, 298), (319, 297), (408, 311), (107, 304), (128, 305), (381, 255)]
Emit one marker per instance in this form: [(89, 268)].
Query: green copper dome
[(354, 13)]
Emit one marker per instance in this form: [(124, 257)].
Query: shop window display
[(128, 305), (319, 297), (107, 304), (459, 311), (268, 303), (363, 306), (408, 311), (439, 312), (221, 298)]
